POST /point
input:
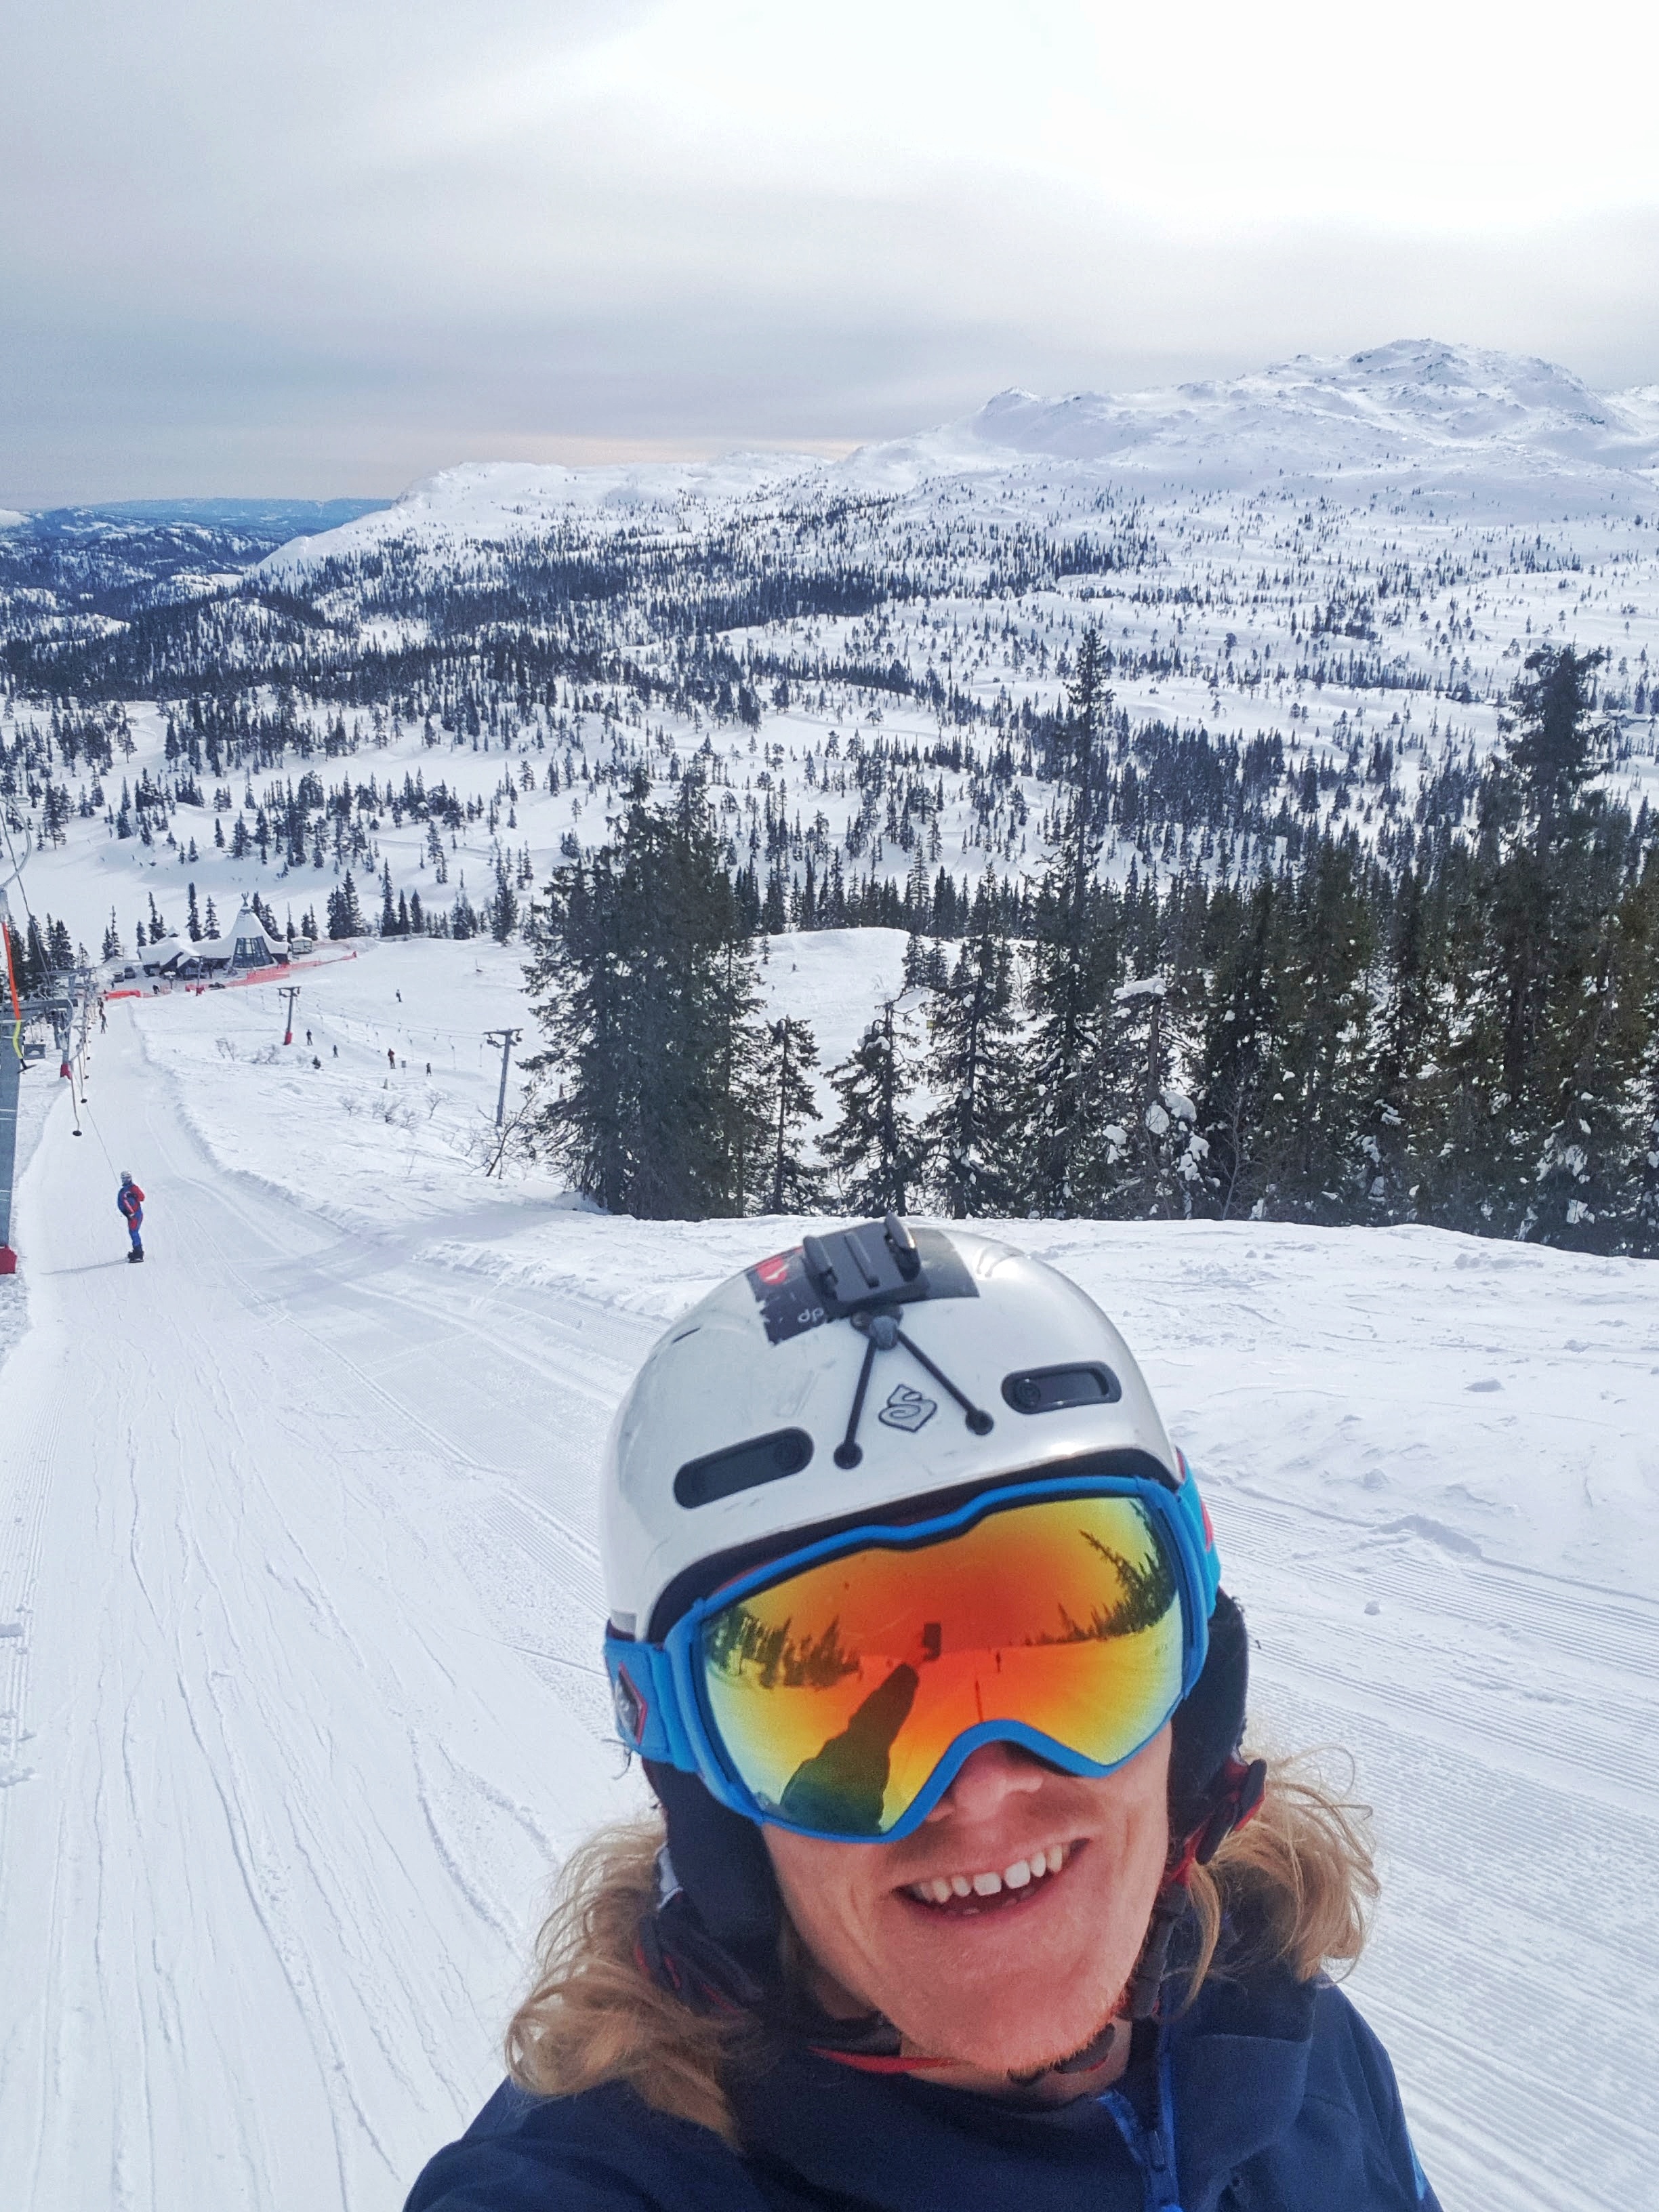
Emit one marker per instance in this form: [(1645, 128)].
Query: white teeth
[(940, 1890)]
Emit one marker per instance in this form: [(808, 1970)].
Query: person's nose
[(986, 1779)]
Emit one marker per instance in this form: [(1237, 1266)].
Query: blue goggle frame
[(657, 1690)]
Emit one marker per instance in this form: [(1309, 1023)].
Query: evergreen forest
[(1468, 1040)]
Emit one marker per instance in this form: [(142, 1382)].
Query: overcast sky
[(328, 246)]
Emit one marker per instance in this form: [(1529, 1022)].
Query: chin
[(1021, 2002), (1034, 2033)]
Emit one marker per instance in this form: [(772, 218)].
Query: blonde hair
[(1299, 1881)]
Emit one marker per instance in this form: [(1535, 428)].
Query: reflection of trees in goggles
[(1149, 1591), (738, 1637), (925, 1643)]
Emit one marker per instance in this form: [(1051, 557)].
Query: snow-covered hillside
[(1503, 433), (299, 1701), (1316, 587), (1508, 433)]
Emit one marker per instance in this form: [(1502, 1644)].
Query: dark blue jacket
[(1277, 2097)]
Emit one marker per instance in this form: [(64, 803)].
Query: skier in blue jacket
[(961, 1891), (130, 1204)]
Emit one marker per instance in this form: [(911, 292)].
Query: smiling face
[(1003, 1933)]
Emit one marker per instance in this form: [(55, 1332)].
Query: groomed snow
[(299, 1692)]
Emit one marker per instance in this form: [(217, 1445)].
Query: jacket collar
[(1238, 2067)]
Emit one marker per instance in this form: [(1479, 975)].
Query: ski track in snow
[(300, 1604), (270, 1881)]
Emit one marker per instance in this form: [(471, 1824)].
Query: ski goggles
[(838, 1690)]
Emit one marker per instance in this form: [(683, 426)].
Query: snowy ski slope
[(299, 1692)]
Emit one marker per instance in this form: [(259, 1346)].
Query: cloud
[(346, 246)]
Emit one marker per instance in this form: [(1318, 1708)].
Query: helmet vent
[(1051, 1390), (743, 1466)]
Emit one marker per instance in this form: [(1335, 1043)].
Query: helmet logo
[(907, 1409)]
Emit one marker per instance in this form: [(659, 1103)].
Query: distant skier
[(129, 1203)]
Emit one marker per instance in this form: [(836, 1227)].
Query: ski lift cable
[(11, 981), (92, 1124), (16, 865)]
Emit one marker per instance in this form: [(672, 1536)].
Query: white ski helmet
[(747, 1422)]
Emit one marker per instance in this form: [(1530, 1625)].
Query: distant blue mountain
[(277, 520)]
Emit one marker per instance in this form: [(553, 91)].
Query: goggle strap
[(646, 1702)]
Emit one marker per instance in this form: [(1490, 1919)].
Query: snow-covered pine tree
[(1642, 1202), (970, 1139), (874, 1150), (1318, 1113), (193, 915), (112, 949), (1590, 1175), (1409, 1039), (503, 909), (1239, 1064), (1146, 1159), (1071, 959), (345, 915), (1524, 941), (732, 1033), (794, 1184), (643, 979)]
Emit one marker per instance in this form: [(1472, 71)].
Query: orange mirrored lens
[(836, 1692)]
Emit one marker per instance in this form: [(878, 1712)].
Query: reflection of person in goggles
[(916, 1625)]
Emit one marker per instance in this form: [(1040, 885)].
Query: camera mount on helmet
[(875, 1263), (859, 1275)]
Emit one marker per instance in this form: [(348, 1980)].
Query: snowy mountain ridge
[(1507, 433), (1413, 414), (1415, 395)]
